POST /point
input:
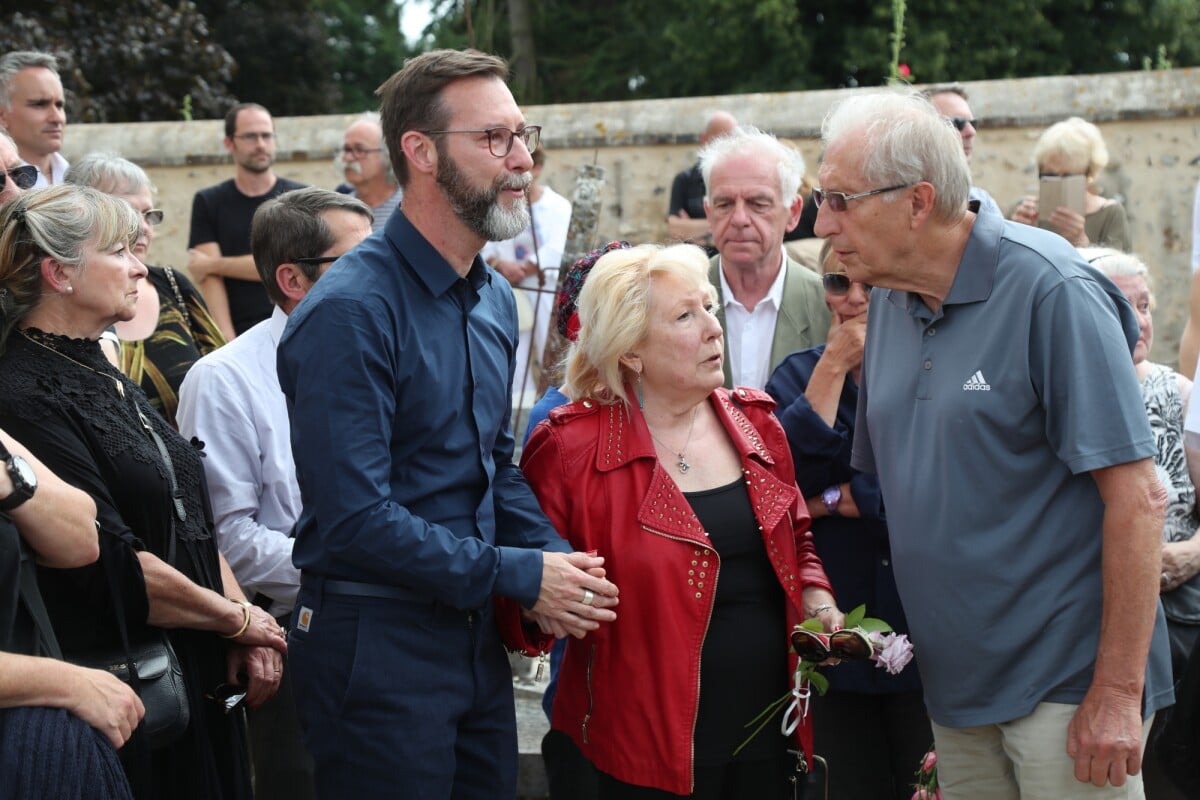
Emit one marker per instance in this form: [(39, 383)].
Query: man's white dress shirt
[(751, 331)]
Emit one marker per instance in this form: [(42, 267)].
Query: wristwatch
[(831, 497), (24, 481)]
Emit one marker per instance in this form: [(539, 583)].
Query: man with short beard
[(397, 371), (219, 257)]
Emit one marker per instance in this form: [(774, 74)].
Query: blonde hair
[(1075, 139), (614, 314), (58, 222)]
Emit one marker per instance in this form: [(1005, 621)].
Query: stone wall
[(1149, 120)]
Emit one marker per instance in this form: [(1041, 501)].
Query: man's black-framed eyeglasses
[(315, 261), (961, 122), (153, 216), (500, 140), (24, 176), (838, 200)]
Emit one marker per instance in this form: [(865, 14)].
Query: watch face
[(25, 471)]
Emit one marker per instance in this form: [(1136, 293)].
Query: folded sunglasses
[(844, 644)]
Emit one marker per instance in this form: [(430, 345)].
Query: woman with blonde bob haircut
[(688, 491)]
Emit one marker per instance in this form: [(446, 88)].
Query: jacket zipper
[(707, 622), (591, 699)]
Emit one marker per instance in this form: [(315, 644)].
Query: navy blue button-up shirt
[(397, 373)]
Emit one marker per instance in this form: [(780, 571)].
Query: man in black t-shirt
[(219, 241)]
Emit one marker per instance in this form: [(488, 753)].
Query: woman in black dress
[(67, 272)]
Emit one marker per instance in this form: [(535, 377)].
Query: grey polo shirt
[(983, 421)]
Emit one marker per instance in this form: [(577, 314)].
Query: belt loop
[(316, 585)]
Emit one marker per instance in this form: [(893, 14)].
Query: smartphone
[(1064, 190)]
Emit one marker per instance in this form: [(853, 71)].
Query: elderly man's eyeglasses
[(359, 152), (838, 200), (500, 140), (839, 283), (961, 122), (24, 176), (153, 216)]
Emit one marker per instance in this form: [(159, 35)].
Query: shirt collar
[(414, 250), (278, 323), (774, 294)]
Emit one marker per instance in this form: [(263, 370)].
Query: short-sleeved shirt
[(222, 214), (983, 421), (398, 375)]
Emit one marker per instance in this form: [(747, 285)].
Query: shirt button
[(886, 562), (928, 364), (931, 332)]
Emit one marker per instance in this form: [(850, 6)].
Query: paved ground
[(531, 727)]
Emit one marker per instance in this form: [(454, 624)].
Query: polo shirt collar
[(426, 263), (982, 253)]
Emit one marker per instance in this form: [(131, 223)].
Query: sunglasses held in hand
[(849, 645)]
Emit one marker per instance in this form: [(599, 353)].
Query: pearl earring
[(70, 288)]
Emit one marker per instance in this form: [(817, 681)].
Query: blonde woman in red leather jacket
[(689, 493)]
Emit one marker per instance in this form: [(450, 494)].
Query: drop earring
[(641, 398)]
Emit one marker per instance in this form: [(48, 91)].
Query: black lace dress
[(59, 397)]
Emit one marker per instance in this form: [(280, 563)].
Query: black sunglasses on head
[(839, 283), (24, 176)]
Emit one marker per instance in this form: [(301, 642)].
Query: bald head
[(719, 124)]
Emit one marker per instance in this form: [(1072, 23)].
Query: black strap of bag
[(31, 597)]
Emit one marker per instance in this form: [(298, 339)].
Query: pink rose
[(922, 794), (893, 652), (930, 761)]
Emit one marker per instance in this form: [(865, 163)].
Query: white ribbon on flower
[(801, 692)]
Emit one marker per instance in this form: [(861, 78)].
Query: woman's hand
[(263, 631), (845, 343), (820, 604), (259, 669), (1070, 225), (1026, 211), (1180, 563), (106, 703)]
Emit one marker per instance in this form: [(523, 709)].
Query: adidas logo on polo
[(976, 383)]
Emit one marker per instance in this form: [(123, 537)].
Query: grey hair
[(58, 222), (384, 153), (17, 60), (904, 141), (108, 173), (746, 139), (1114, 263), (1076, 139), (929, 92), (290, 226)]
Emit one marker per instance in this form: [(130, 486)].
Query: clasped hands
[(575, 596)]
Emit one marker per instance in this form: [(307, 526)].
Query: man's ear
[(923, 198), (292, 282), (229, 145), (794, 211), (421, 152)]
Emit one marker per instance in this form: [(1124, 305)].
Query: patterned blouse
[(185, 332)]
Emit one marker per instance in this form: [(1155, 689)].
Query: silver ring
[(588, 597), (1166, 578)]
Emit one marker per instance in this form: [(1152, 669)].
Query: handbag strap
[(187, 315), (176, 495)]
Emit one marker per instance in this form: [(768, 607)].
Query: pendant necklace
[(113, 378), (682, 464)]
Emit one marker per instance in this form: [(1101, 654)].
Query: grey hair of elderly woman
[(1115, 264), (1076, 140), (614, 314), (109, 173), (904, 141), (59, 223)]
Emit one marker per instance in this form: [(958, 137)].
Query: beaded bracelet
[(245, 619)]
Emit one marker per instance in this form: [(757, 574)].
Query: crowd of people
[(292, 465)]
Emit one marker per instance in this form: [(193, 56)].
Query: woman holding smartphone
[(1074, 147)]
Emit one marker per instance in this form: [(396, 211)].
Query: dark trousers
[(873, 743), (400, 698), (283, 769), (740, 780)]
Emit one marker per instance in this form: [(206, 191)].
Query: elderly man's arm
[(1105, 736)]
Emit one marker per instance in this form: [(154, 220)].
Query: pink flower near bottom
[(930, 761)]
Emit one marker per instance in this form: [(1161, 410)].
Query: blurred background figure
[(171, 328), (686, 217), (367, 168), (868, 715), (530, 262), (1075, 147), (33, 111)]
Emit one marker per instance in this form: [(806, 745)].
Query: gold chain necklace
[(682, 464), (113, 378)]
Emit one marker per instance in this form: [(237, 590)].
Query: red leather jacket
[(628, 692)]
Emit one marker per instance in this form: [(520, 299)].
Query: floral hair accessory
[(568, 292)]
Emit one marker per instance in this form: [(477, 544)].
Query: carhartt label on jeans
[(305, 618)]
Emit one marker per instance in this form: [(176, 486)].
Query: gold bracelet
[(245, 619)]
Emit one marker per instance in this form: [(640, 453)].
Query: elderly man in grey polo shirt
[(1000, 410)]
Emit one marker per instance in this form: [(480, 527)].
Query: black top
[(58, 397), (687, 193), (744, 661), (16, 626), (222, 214)]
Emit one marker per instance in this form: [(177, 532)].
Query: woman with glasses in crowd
[(1075, 147), (687, 491), (868, 717), (67, 272), (171, 328)]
